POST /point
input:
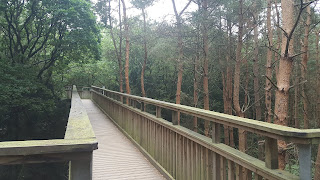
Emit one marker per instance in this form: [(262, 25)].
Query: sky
[(161, 9), (164, 9)]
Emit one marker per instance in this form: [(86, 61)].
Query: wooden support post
[(305, 161), (215, 133), (271, 153), (134, 103), (215, 157), (158, 112), (175, 117), (216, 166), (81, 169), (142, 106)]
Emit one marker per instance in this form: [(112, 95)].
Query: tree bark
[(276, 55), (145, 52), (317, 164), (205, 63), (296, 99), (284, 74), (180, 56), (268, 86), (226, 74), (117, 51), (196, 75), (229, 79), (126, 29), (256, 86), (236, 86), (303, 67)]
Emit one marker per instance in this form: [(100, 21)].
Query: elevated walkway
[(116, 158)]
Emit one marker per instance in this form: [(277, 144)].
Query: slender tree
[(317, 164), (126, 30), (268, 86), (195, 71), (180, 49), (117, 51), (256, 75), (143, 4), (205, 61), (303, 67), (289, 24), (236, 84)]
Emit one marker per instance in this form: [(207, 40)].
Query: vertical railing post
[(215, 157), (305, 161), (271, 153), (175, 117), (142, 106), (134, 103), (158, 112), (81, 169)]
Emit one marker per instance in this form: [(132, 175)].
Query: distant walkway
[(117, 158)]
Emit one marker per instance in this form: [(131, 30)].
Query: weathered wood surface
[(116, 158), (78, 126), (303, 136), (79, 137), (183, 153)]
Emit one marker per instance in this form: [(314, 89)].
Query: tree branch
[(271, 81), (185, 7)]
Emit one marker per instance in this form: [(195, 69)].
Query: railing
[(183, 154), (83, 91), (76, 147)]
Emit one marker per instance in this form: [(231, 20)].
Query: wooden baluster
[(271, 153), (175, 117), (215, 156), (134, 103), (158, 112), (81, 169), (305, 161)]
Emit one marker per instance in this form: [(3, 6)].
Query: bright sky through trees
[(160, 10)]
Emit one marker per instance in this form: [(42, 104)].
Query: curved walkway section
[(117, 158)]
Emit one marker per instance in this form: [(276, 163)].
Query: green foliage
[(39, 40)]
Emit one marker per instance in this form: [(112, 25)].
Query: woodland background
[(250, 58)]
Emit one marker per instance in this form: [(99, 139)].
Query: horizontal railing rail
[(138, 124), (76, 147)]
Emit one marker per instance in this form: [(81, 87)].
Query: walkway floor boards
[(117, 158)]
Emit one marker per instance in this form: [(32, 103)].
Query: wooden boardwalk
[(116, 158)]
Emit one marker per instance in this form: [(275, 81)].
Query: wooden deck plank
[(116, 158)]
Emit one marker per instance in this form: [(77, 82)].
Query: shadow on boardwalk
[(116, 158)]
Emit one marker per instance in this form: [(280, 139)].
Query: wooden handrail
[(125, 117), (79, 125), (77, 145), (304, 136)]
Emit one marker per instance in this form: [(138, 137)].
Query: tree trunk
[(180, 56), (229, 80), (268, 86), (196, 75), (145, 53), (256, 75), (296, 99), (195, 91), (226, 74), (317, 164), (126, 29), (276, 55), (283, 77), (118, 52), (236, 86), (205, 63), (303, 66)]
